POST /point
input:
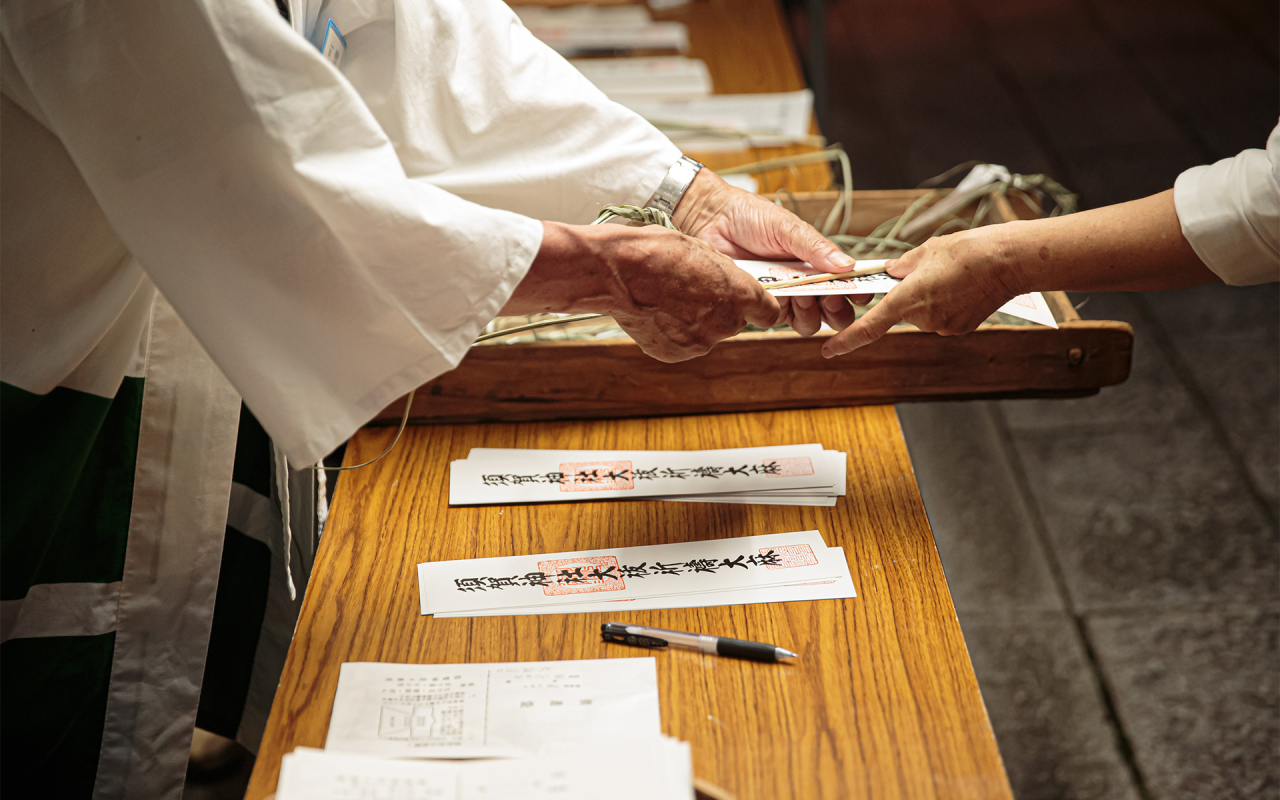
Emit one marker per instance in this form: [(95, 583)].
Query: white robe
[(333, 239)]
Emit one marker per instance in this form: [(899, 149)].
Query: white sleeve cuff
[(1230, 215)]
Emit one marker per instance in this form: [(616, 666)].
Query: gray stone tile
[(1149, 515), (1198, 696), (986, 536), (1151, 394), (1046, 710), (1216, 309), (1229, 339)]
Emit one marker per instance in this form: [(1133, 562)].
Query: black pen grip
[(752, 651)]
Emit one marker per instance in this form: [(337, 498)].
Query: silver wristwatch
[(674, 185)]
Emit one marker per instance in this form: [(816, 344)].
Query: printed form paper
[(671, 571), (1031, 307), (479, 710)]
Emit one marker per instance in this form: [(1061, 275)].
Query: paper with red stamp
[(582, 575), (791, 555), (790, 467), (597, 476)]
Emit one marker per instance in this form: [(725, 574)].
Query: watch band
[(674, 185)]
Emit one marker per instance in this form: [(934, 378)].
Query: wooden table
[(883, 702)]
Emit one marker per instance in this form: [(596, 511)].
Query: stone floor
[(1114, 560)]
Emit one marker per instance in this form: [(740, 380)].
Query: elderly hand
[(675, 295), (743, 225), (950, 285)]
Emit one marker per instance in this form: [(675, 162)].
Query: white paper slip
[(532, 476), (662, 768), (625, 572), (585, 40), (658, 78), (769, 272), (832, 589), (726, 122), (479, 710), (503, 453), (1031, 307)]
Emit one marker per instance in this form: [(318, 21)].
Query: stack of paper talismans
[(772, 568), (793, 475), (470, 731)]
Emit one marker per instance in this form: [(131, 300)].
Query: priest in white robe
[(200, 209)]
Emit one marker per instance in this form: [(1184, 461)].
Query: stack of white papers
[(537, 729), (583, 30), (658, 767), (1031, 307), (663, 78), (802, 474), (773, 568), (727, 122)]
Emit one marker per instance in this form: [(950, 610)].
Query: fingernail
[(828, 352), (840, 259), (834, 302)]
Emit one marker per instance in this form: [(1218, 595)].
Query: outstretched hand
[(744, 225), (950, 285)]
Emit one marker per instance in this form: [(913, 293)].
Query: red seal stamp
[(791, 555), (597, 476), (582, 575), (790, 467)]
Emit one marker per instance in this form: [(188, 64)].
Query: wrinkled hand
[(676, 296), (743, 225), (950, 286)]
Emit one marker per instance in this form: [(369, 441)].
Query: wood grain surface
[(883, 702), (613, 378), (747, 50)]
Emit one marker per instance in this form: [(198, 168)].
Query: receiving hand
[(950, 285), (744, 225)]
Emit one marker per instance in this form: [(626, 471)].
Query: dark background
[(1114, 560)]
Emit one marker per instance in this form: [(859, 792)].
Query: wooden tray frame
[(550, 380)]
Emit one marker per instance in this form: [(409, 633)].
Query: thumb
[(765, 311), (804, 242), (874, 324)]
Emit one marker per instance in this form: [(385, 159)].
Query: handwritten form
[(749, 569), (485, 710), (805, 474), (1031, 307)]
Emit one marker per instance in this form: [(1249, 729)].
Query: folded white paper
[(626, 573), (558, 476), (484, 710), (657, 766), (742, 120), (1031, 307), (638, 79)]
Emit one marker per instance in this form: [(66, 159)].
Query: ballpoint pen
[(641, 636)]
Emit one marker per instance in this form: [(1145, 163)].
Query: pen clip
[(614, 632)]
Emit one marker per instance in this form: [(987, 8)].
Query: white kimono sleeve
[(1230, 214), (264, 200), (476, 105)]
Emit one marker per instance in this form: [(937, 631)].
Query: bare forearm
[(1135, 246)]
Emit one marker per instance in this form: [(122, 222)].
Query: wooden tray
[(774, 370)]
